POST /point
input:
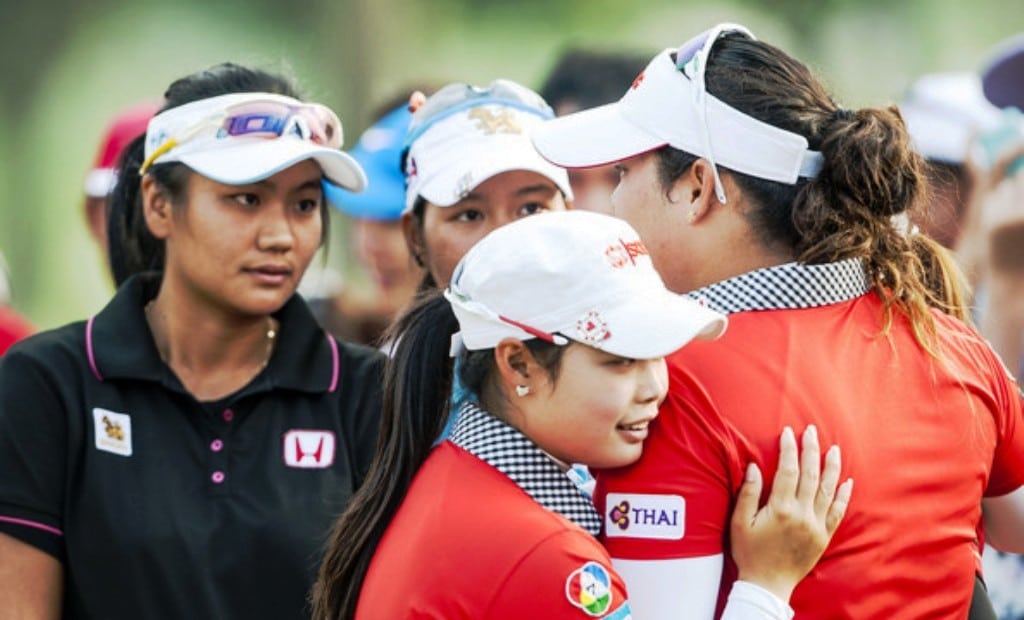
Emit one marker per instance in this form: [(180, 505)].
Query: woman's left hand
[(777, 545)]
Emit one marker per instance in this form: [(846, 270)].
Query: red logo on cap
[(625, 251), (636, 82), (591, 328)]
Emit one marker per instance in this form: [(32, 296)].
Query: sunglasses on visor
[(260, 119)]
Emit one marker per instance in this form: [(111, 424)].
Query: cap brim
[(594, 137), (255, 161), (1003, 79), (649, 326), (483, 163)]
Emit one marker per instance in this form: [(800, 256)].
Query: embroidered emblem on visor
[(590, 588), (491, 122)]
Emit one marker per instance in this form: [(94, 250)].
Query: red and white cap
[(668, 105), (129, 124), (572, 275)]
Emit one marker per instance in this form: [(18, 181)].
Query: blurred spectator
[(583, 79), (13, 327), (943, 112), (375, 224), (992, 248), (128, 124)]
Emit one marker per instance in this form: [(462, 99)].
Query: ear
[(516, 364), (156, 208), (696, 190), (414, 238)]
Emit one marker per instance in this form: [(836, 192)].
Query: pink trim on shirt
[(88, 349), (336, 366), (38, 526)]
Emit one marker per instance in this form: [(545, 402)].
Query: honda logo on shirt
[(309, 449)]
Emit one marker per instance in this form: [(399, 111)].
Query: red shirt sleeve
[(569, 576), (1007, 473)]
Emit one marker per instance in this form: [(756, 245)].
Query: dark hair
[(417, 395), (428, 283), (589, 78), (870, 173), (132, 248)]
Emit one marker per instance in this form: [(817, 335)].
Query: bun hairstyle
[(132, 248), (870, 174)]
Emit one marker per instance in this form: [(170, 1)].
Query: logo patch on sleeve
[(589, 587), (113, 431), (631, 515), (306, 449)]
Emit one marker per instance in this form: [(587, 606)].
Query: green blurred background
[(68, 66)]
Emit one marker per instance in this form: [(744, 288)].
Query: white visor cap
[(458, 153), (193, 135), (661, 108)]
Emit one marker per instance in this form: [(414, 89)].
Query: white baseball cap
[(463, 135), (943, 112), (668, 104), (572, 275), (246, 137)]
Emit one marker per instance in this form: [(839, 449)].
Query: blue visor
[(379, 152)]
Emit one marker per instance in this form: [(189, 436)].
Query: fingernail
[(753, 473), (832, 452), (787, 432), (811, 432)]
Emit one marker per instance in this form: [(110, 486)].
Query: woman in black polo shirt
[(182, 453)]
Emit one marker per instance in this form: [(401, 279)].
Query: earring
[(522, 390), (691, 217)]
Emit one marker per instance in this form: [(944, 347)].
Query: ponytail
[(870, 173), (943, 278), (417, 392)]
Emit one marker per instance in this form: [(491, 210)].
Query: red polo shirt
[(468, 542), (924, 439)]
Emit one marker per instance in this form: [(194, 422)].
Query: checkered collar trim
[(792, 285), (510, 452)]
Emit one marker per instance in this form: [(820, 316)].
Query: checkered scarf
[(793, 285), (510, 452)]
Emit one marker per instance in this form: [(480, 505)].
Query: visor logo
[(305, 449), (645, 516), (636, 82), (491, 122)]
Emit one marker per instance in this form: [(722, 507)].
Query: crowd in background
[(968, 127)]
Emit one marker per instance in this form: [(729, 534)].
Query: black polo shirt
[(164, 507)]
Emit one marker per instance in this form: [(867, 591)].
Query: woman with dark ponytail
[(561, 324), (182, 453), (762, 197)]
